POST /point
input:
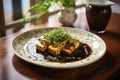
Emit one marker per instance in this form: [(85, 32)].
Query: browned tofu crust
[(65, 47), (54, 50), (41, 46)]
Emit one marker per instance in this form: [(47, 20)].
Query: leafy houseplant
[(44, 6)]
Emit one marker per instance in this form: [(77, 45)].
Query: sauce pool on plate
[(80, 53)]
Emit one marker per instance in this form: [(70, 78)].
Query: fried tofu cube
[(46, 40), (54, 50), (69, 50), (64, 43), (41, 46), (76, 44)]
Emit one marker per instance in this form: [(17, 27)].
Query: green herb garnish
[(57, 35)]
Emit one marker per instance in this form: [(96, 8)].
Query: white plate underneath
[(97, 45)]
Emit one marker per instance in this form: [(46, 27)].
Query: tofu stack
[(56, 42), (67, 47), (71, 46), (42, 45)]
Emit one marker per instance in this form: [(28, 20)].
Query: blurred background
[(22, 5), (14, 10)]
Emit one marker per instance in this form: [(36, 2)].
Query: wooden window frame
[(2, 20)]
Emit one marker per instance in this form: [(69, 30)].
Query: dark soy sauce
[(81, 52)]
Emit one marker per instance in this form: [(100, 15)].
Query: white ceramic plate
[(97, 45)]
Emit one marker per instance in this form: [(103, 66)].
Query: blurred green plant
[(44, 6)]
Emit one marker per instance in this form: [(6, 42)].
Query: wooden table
[(107, 68)]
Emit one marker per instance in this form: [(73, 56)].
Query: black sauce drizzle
[(81, 52)]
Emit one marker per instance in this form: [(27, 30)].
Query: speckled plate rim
[(98, 51)]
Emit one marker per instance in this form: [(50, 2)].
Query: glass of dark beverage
[(98, 17)]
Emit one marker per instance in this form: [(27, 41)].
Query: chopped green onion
[(57, 35)]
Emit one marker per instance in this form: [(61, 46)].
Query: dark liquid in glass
[(98, 17)]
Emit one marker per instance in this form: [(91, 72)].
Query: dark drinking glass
[(98, 17)]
